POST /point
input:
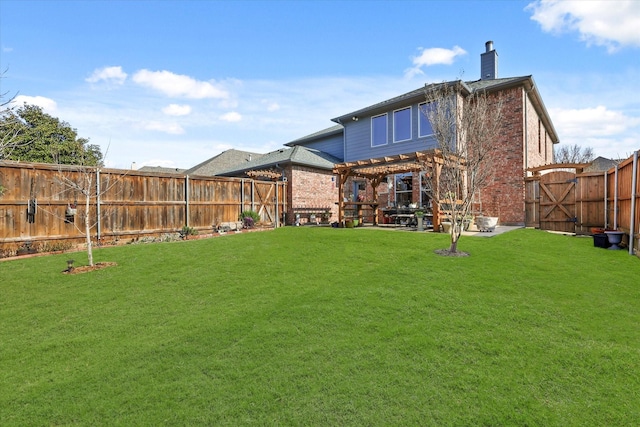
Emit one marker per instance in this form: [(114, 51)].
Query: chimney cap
[(489, 45)]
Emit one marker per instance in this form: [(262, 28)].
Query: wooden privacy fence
[(41, 205), (561, 200)]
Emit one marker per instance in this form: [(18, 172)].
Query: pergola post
[(375, 182), (435, 205), (342, 178)]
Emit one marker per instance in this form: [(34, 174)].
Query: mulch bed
[(447, 252), (87, 268)]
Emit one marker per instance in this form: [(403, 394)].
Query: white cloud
[(608, 132), (177, 85), (433, 56), (7, 49), (612, 24), (177, 110), (231, 117), (271, 106), (107, 74), (166, 127), (47, 104)]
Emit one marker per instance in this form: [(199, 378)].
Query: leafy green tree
[(40, 137)]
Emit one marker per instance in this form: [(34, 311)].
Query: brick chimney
[(489, 63)]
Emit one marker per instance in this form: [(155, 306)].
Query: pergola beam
[(376, 169)]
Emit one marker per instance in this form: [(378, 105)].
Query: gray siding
[(358, 138), (333, 145)]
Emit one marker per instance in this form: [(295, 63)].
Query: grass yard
[(322, 326)]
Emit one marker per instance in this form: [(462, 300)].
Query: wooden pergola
[(269, 174), (376, 170)]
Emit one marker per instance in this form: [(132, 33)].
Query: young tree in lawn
[(466, 126), (90, 184)]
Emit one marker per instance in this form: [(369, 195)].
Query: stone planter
[(487, 223), (615, 237)]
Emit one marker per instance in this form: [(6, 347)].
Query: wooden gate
[(557, 201)]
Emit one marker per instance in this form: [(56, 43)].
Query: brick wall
[(310, 188), (504, 198)]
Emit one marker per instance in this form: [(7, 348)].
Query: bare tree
[(87, 182), (466, 126), (574, 154)]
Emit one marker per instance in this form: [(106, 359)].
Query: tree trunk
[(87, 229), (456, 231)]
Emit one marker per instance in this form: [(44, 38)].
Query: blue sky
[(173, 83)]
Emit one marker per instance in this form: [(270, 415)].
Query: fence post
[(615, 200), (276, 206), (98, 222), (634, 183), (186, 200), (242, 195)]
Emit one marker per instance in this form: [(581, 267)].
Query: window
[(359, 191), (402, 125), (404, 189), (425, 200), (379, 130), (424, 125)]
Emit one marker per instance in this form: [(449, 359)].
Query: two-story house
[(396, 126)]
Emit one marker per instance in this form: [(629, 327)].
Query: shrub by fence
[(39, 207)]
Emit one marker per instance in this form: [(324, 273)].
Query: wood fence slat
[(131, 203)]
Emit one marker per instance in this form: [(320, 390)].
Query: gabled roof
[(297, 155), (223, 161), (601, 164), (381, 107), (490, 85), (333, 130)]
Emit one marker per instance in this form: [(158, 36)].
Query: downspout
[(98, 222), (634, 183), (526, 129)]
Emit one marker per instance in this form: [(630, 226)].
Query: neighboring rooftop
[(223, 161), (297, 155), (160, 169), (601, 164)]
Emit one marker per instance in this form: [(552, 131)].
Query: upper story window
[(424, 125), (402, 125), (379, 130)]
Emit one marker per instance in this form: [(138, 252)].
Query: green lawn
[(322, 326)]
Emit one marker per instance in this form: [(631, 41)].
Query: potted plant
[(249, 218), (326, 216), (615, 238)]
